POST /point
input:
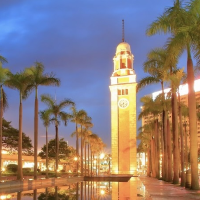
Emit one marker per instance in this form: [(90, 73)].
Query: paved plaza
[(161, 190)]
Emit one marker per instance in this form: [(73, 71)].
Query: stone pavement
[(161, 190)]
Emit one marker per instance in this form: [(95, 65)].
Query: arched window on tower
[(123, 63)]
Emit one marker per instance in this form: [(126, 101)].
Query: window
[(123, 92)]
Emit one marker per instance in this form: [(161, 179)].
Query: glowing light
[(102, 155), (75, 158), (3, 169), (4, 152), (28, 165), (102, 192)]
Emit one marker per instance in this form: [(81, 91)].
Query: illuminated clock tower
[(123, 111)]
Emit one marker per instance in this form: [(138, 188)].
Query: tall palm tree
[(183, 24), (76, 118), (154, 108), (87, 133), (45, 117), (39, 78), (175, 78), (3, 102), (146, 136), (157, 66), (19, 81), (85, 122), (56, 109), (93, 138)]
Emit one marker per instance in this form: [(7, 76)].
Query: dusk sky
[(77, 40)]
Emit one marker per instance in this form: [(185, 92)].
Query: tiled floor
[(161, 190)]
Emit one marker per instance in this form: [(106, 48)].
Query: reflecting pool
[(86, 190)]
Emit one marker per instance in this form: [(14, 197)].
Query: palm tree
[(153, 107), (87, 133), (39, 78), (19, 81), (85, 122), (183, 24), (175, 79), (45, 117), (157, 66), (76, 118), (56, 109), (3, 102), (145, 136), (92, 140)]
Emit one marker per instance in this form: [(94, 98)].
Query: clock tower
[(123, 111)]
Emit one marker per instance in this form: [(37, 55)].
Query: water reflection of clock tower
[(123, 111)]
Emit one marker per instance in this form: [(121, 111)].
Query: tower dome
[(123, 46)]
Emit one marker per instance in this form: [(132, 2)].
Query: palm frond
[(45, 117), (65, 103), (47, 99), (146, 81), (3, 59)]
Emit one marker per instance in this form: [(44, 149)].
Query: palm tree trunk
[(19, 195), (165, 165), (175, 138), (85, 157), (57, 149), (182, 145), (169, 151), (88, 159), (91, 161), (192, 125), (162, 150), (77, 148), (47, 160), (81, 153), (19, 174), (153, 173), (149, 162), (1, 118), (158, 149), (35, 134), (186, 146)]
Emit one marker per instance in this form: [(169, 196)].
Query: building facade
[(123, 111)]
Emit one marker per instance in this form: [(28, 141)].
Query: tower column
[(123, 112)]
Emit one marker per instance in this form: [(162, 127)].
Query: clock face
[(123, 103)]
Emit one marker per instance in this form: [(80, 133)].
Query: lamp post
[(76, 160)]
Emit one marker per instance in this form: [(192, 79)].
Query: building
[(123, 111)]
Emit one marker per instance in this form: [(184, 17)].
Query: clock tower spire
[(123, 110)]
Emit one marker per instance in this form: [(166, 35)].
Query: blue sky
[(75, 39)]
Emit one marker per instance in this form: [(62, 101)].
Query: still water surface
[(87, 190)]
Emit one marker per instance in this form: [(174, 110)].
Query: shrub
[(12, 168), (26, 170)]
